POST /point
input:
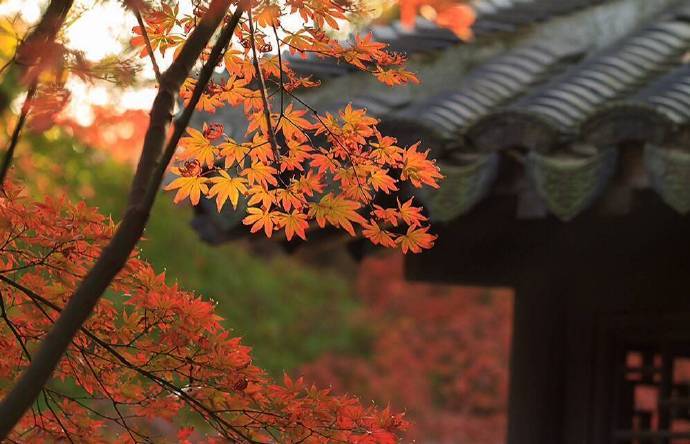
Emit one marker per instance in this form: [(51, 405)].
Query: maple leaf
[(323, 163), (261, 150), (261, 194), (385, 151), (298, 153), (418, 169), (289, 198), (293, 223), (363, 51), (260, 173), (235, 91), (408, 12), (198, 147), (337, 211), (378, 236), (268, 16), (459, 19), (380, 180), (239, 67), (210, 100), (299, 41), (46, 105), (309, 184), (233, 152), (388, 215), (293, 123), (357, 121), (411, 215), (416, 239), (394, 77), (226, 187), (270, 66), (192, 187), (259, 218), (184, 433)]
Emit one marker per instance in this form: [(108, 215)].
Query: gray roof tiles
[(493, 16)]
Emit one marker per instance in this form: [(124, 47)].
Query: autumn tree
[(150, 349), (454, 341)]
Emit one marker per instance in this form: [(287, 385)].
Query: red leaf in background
[(459, 19)]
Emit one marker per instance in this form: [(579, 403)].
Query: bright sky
[(103, 28)]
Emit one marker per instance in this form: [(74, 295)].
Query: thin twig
[(280, 67), (9, 153), (147, 41), (262, 89), (15, 332), (177, 391)]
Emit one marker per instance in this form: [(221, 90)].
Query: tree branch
[(262, 88), (9, 153), (163, 383), (41, 37), (147, 41), (148, 177)]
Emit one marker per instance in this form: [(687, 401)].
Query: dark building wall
[(580, 288)]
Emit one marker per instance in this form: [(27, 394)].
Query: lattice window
[(653, 396)]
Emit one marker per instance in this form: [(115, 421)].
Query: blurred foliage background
[(290, 314), (438, 352)]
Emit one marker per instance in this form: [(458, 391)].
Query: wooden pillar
[(537, 383)]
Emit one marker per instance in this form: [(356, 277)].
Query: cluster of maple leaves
[(297, 168), (150, 351)]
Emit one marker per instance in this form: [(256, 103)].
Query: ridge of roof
[(494, 17)]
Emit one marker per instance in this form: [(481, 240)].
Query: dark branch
[(145, 185), (9, 153), (147, 40), (164, 384), (262, 89)]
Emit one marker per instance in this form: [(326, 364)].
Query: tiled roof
[(571, 125), (562, 105), (493, 17), (485, 89), (510, 15), (558, 125)]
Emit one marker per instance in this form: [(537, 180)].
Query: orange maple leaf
[(268, 16), (380, 180), (410, 214), (459, 19), (337, 211), (192, 187), (233, 152), (261, 173), (418, 169), (416, 239), (294, 223), (259, 218), (226, 187), (378, 236), (198, 147)]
